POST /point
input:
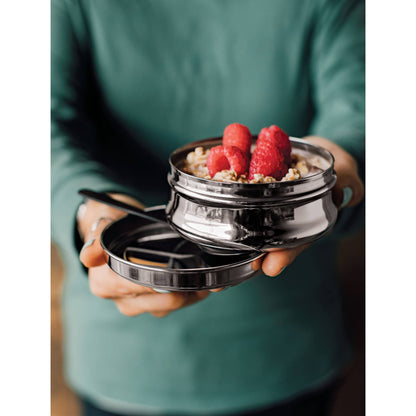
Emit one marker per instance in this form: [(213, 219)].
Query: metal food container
[(265, 216)]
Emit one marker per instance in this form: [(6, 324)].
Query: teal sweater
[(131, 81)]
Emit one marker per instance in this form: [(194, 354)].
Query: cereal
[(260, 178), (292, 175), (302, 167), (196, 163), (226, 176)]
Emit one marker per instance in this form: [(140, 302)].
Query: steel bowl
[(264, 216)]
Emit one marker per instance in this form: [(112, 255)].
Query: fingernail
[(347, 195), (161, 290), (94, 226), (90, 242), (273, 277)]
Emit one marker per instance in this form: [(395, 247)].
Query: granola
[(196, 163), (292, 175)]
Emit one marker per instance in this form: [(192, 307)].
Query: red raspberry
[(237, 135), (268, 161), (217, 161), (281, 140), (237, 159), (264, 162)]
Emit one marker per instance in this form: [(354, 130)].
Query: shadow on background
[(63, 401), (350, 398)]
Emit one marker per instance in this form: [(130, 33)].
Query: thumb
[(92, 254), (349, 190)]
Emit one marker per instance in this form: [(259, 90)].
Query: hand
[(347, 177), (347, 172), (130, 298)]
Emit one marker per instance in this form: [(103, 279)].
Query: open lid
[(152, 254)]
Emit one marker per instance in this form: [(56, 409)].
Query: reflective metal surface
[(152, 254), (264, 216)]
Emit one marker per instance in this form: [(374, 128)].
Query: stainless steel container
[(262, 216)]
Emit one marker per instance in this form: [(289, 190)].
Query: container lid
[(152, 254)]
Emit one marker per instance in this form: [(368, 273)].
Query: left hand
[(130, 298), (274, 262)]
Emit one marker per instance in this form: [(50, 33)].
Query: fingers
[(347, 177), (347, 172), (106, 284), (132, 299), (158, 304), (348, 180), (92, 254), (256, 264), (357, 188), (91, 222), (275, 261)]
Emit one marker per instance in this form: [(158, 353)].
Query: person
[(132, 81)]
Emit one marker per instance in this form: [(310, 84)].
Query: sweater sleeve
[(74, 138), (338, 75), (338, 87)]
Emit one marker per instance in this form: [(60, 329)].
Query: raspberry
[(237, 159), (281, 140), (237, 135), (217, 161), (268, 161), (264, 162)]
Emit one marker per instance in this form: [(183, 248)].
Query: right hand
[(347, 177), (130, 298)]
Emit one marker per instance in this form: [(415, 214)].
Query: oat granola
[(196, 163), (292, 175), (260, 178)]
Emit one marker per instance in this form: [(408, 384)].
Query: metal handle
[(108, 200)]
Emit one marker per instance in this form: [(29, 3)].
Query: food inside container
[(239, 158), (195, 164)]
